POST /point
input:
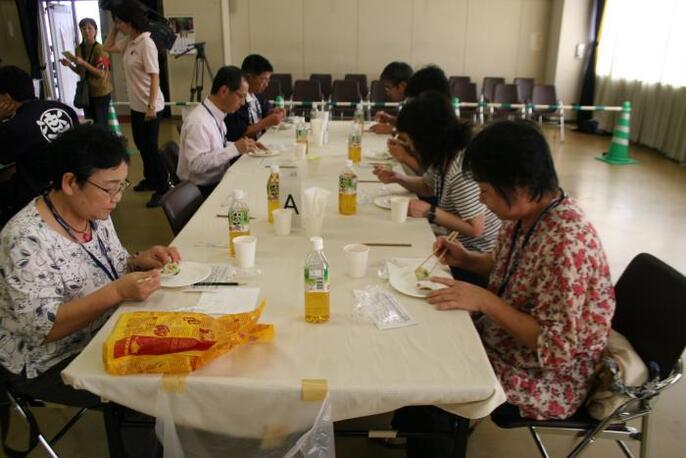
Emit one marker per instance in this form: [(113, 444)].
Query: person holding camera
[(142, 73), (93, 63)]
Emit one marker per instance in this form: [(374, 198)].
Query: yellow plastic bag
[(178, 342)]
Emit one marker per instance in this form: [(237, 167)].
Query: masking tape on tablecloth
[(314, 389), (174, 383)]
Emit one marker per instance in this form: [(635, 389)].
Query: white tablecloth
[(439, 361)]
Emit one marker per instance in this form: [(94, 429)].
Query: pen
[(218, 283)]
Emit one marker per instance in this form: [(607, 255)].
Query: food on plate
[(171, 268)]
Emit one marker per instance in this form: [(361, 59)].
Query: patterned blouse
[(563, 281), (39, 270)]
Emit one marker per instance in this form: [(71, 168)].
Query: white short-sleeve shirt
[(39, 270), (140, 60)]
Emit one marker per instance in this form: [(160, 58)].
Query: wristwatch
[(431, 216)]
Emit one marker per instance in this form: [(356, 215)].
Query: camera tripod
[(199, 66)]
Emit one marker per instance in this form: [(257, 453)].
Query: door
[(63, 38)]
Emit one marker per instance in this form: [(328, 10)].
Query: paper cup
[(282, 220), (399, 206), (317, 132), (300, 150), (245, 251), (356, 256)]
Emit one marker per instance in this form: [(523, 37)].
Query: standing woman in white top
[(141, 68)]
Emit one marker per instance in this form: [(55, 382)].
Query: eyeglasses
[(113, 191)]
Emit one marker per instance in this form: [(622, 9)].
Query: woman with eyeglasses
[(62, 268)]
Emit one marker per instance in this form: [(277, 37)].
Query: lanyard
[(221, 133), (527, 236), (111, 274)]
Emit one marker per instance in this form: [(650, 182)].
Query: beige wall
[(12, 49), (466, 37), (207, 17)]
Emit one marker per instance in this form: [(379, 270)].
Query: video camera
[(161, 31)]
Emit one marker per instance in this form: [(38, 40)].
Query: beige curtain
[(658, 113)]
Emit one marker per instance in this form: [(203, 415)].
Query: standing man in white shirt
[(205, 153)]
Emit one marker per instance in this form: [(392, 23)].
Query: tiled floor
[(635, 208)]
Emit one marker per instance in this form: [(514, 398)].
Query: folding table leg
[(113, 419), (461, 436)]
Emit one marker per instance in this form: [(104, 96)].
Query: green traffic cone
[(113, 122), (619, 147)]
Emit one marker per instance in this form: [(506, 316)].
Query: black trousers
[(145, 134), (97, 110), (469, 277), (431, 419)]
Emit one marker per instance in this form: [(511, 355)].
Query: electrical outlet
[(580, 50)]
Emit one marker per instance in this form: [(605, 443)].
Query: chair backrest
[(346, 91), (325, 80), (286, 80), (361, 79), (461, 79), (465, 91), (651, 311), (307, 91), (273, 90), (488, 88), (377, 93), (524, 88), (170, 158), (543, 94), (505, 93), (180, 204)]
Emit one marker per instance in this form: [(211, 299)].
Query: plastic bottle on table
[(317, 283), (239, 218), (355, 143), (273, 192), (301, 132), (347, 190), (358, 117)]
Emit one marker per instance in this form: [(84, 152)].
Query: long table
[(440, 361)]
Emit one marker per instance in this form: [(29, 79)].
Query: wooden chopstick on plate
[(387, 244)]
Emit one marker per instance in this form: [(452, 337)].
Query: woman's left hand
[(459, 295), (150, 114), (418, 208), (156, 257), (79, 61)]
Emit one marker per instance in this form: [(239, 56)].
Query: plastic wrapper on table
[(178, 342)]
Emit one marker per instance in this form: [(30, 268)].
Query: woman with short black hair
[(64, 270), (141, 69), (428, 127), (545, 317)]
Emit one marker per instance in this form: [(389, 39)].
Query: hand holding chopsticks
[(420, 272)]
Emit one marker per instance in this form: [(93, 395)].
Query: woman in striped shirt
[(429, 128)]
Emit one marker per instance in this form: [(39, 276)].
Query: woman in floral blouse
[(545, 317), (62, 268)]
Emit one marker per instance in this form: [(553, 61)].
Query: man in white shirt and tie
[(205, 153)]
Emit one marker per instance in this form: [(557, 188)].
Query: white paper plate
[(379, 155), (383, 202), (269, 152), (403, 279), (189, 273)]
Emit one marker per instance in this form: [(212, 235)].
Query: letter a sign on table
[(291, 192)]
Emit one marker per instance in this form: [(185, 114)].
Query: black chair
[(545, 94), (345, 91), (458, 80), (170, 158), (306, 91), (361, 79), (325, 81), (286, 82), (488, 87), (180, 204), (651, 314), (507, 94), (525, 87), (273, 90), (466, 92)]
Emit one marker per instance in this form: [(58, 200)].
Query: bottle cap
[(275, 168), (349, 163), (317, 243), (238, 194)]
